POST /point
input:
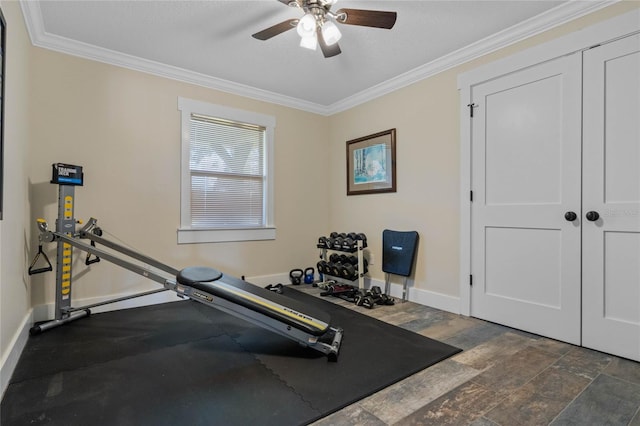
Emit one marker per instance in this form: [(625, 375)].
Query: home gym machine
[(308, 326)]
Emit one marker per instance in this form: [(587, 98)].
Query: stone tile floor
[(503, 377)]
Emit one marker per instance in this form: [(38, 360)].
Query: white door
[(525, 149), (611, 185)]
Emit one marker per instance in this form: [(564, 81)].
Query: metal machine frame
[(327, 339)]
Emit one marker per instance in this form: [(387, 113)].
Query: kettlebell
[(296, 276), (309, 275)]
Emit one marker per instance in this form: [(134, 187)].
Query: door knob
[(592, 216), (570, 216)]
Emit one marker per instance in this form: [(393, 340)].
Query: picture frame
[(3, 60), (371, 163)]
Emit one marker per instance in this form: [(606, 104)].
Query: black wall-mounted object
[(3, 60), (67, 174)]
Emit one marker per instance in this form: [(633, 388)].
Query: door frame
[(605, 31)]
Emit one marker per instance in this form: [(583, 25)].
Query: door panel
[(514, 256), (622, 128), (611, 185), (525, 176), (518, 147), (621, 272)]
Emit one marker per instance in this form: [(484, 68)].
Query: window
[(226, 182)]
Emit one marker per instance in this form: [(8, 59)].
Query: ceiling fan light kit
[(309, 42), (330, 33), (318, 24), (306, 26)]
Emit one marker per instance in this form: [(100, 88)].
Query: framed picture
[(3, 50), (371, 163)]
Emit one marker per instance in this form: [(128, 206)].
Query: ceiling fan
[(317, 25)]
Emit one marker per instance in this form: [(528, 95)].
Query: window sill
[(195, 236)]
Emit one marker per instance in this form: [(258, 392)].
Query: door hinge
[(471, 107), (471, 280)]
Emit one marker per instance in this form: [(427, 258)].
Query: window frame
[(186, 233)]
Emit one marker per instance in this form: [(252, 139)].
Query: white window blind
[(227, 173)]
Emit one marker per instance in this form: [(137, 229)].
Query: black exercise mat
[(186, 363)]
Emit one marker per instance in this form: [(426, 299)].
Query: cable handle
[(47, 268), (89, 261)]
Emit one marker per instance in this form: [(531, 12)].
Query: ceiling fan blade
[(367, 18), (328, 51), (273, 31)]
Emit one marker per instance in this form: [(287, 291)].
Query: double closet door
[(555, 218)]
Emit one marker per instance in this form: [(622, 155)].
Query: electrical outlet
[(371, 259)]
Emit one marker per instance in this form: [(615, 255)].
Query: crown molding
[(40, 38), (557, 16), (521, 31)]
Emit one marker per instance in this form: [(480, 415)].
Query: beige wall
[(426, 116), (123, 127), (15, 229)]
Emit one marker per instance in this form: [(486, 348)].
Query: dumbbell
[(375, 291), (328, 241), (334, 234), (328, 267), (349, 244), (336, 269), (277, 288), (365, 266), (365, 301), (363, 238), (328, 288), (354, 261), (349, 271), (379, 297), (324, 285), (337, 243), (335, 257), (385, 300), (322, 242)]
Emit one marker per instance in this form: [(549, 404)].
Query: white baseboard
[(12, 355), (46, 311), (423, 297), (265, 280), (440, 301)]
